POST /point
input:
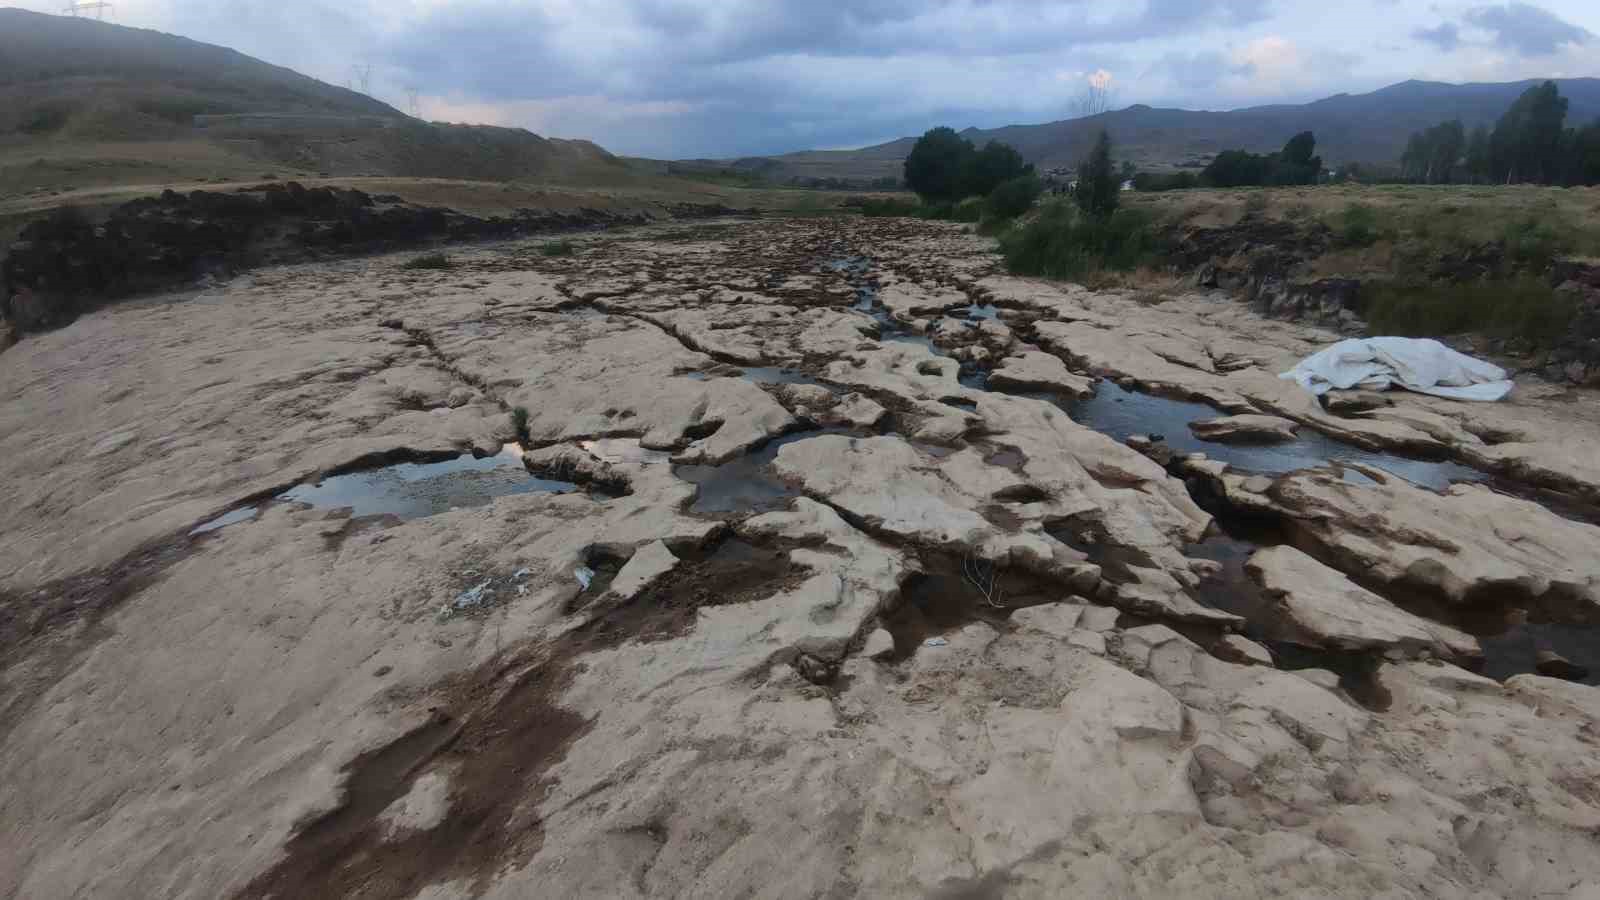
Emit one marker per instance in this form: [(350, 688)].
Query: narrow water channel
[(1509, 647)]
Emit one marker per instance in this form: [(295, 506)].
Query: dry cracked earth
[(829, 561)]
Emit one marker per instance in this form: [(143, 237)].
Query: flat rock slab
[(1036, 371), (1328, 610), (1246, 429)]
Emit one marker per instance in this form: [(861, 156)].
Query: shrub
[(558, 248), (1063, 242), (992, 226), (1523, 307), (1533, 244), (969, 210), (1357, 227), (519, 423), (429, 261), (1014, 197)]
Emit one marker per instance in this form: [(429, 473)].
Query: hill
[(85, 103), (1350, 128)]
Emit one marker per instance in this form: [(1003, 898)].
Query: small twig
[(985, 580)]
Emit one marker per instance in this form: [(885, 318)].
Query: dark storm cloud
[(1528, 30), (1446, 36), (643, 47)]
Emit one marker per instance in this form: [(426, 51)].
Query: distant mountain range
[(85, 103), (1349, 127)]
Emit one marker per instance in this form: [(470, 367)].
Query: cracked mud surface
[(883, 601)]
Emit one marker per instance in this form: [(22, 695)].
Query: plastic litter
[(584, 575), (1416, 364), (935, 642), (468, 599)]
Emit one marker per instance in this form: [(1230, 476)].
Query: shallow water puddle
[(951, 592), (416, 490), (1121, 413), (231, 517), (1513, 652), (746, 484)]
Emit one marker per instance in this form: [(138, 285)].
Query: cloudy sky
[(680, 78)]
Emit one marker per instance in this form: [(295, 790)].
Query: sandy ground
[(944, 640)]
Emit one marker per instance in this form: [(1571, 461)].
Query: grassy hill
[(1349, 127), (87, 104)]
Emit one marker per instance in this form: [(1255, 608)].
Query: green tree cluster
[(944, 167), (1434, 156), (1297, 163), (1529, 144)]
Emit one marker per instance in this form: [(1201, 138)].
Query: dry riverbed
[(830, 561)]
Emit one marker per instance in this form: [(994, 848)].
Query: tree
[(1235, 168), (1586, 152), (1433, 156), (1526, 142), (1098, 187), (991, 167), (1298, 151), (1297, 163), (1477, 162), (937, 165)]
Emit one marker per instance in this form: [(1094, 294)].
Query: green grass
[(1533, 243), (428, 261), (558, 248), (519, 423), (1525, 307), (1061, 242)]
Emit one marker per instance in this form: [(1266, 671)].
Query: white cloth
[(1416, 364)]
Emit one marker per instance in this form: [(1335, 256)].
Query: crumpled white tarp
[(1416, 364)]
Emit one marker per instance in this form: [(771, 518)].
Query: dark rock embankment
[(66, 264), (1269, 264)]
